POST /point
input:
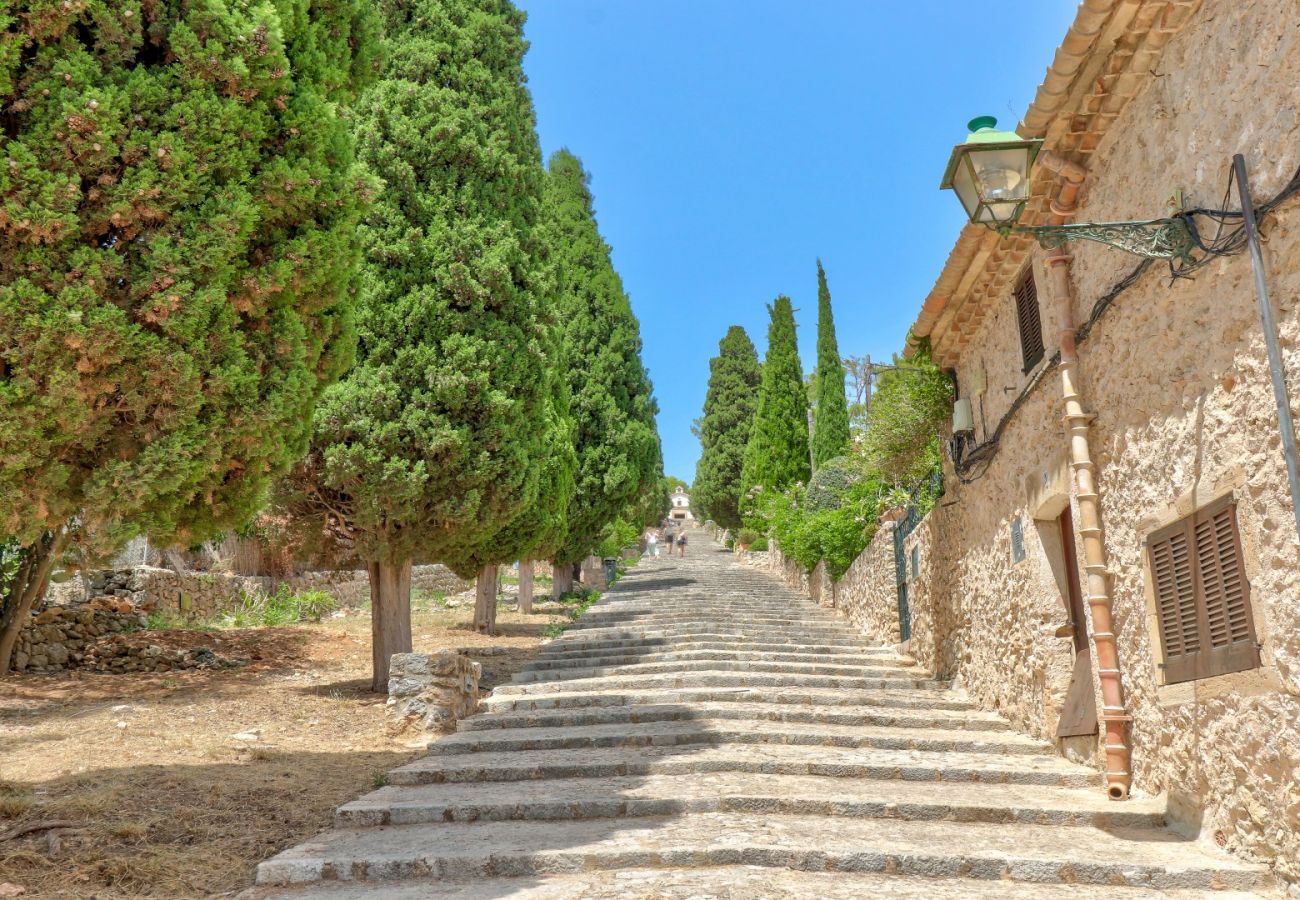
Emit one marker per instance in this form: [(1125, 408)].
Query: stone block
[(431, 692)]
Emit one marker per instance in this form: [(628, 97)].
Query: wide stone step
[(528, 676), (1014, 852), (772, 759), (720, 678), (902, 699), (735, 882), (722, 732), (601, 660), (878, 716), (763, 795), (791, 629), (561, 649)]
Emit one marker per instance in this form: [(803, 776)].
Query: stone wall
[(1176, 375), (867, 593), (202, 595)]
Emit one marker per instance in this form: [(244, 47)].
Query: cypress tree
[(777, 454), (436, 443), (177, 264), (613, 406), (732, 398), (831, 422)]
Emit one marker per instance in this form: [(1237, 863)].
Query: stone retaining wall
[(431, 692)]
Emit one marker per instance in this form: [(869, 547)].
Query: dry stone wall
[(431, 692)]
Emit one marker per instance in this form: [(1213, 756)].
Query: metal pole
[(1287, 427)]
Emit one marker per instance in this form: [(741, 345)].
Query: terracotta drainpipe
[(1119, 755)]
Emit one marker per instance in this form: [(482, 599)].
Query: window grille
[(1017, 541)]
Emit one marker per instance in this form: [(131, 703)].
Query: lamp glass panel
[(1001, 173), (1005, 212), (964, 185)]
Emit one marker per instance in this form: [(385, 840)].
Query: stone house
[(1124, 460), (680, 511)]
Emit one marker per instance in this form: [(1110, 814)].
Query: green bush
[(830, 484), (837, 535), (284, 607), (747, 537), (759, 546)]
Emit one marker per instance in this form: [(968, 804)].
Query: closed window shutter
[(1028, 320), (1229, 626), (1202, 596), (1171, 565)]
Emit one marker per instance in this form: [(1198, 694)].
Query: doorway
[(1079, 713)]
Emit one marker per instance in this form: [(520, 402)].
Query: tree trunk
[(525, 586), (36, 561), (561, 579), (390, 617), (485, 600)]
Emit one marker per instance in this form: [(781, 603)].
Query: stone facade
[(1175, 378), (431, 692)]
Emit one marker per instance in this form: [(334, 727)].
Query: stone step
[(1004, 852), (599, 660), (529, 676), (901, 699), (560, 649), (788, 631), (772, 759), (731, 732), (720, 678), (737, 882), (878, 716), (759, 796)]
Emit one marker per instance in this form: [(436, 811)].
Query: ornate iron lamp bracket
[(1170, 238)]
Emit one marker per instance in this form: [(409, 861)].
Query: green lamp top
[(983, 130)]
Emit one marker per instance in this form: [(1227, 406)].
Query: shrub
[(747, 537), (830, 484)]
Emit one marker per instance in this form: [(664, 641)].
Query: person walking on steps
[(681, 544), (652, 542), (668, 539)]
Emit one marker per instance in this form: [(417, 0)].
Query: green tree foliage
[(776, 456), (729, 406), (831, 482), (176, 261), (908, 408), (837, 535), (438, 440), (613, 406), (831, 424)]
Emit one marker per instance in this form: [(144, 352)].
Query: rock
[(431, 692), (246, 736)]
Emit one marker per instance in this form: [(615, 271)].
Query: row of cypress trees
[(754, 434), (213, 211)]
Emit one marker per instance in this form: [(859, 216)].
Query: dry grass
[(164, 802)]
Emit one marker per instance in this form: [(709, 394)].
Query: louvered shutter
[(1202, 597), (1229, 626), (1176, 606), (1028, 319)]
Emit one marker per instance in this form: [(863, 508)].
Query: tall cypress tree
[(777, 454), (613, 406), (729, 406), (177, 264), (831, 423), (437, 442)]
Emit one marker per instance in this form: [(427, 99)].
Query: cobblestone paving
[(705, 732)]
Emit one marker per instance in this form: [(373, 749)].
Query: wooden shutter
[(1202, 596), (1028, 319)]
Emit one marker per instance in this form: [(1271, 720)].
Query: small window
[(1017, 541), (1202, 596), (1027, 318), (916, 562)]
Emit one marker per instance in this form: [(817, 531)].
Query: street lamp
[(990, 174)]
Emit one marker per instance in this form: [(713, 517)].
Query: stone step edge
[(365, 813), (427, 771), (919, 863)]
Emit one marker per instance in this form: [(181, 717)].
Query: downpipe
[(1114, 712)]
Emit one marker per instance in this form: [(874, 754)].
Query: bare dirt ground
[(155, 794)]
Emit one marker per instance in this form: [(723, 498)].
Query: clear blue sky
[(732, 142)]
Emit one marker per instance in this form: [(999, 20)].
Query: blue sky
[(732, 142)]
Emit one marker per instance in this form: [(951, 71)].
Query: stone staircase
[(704, 732)]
